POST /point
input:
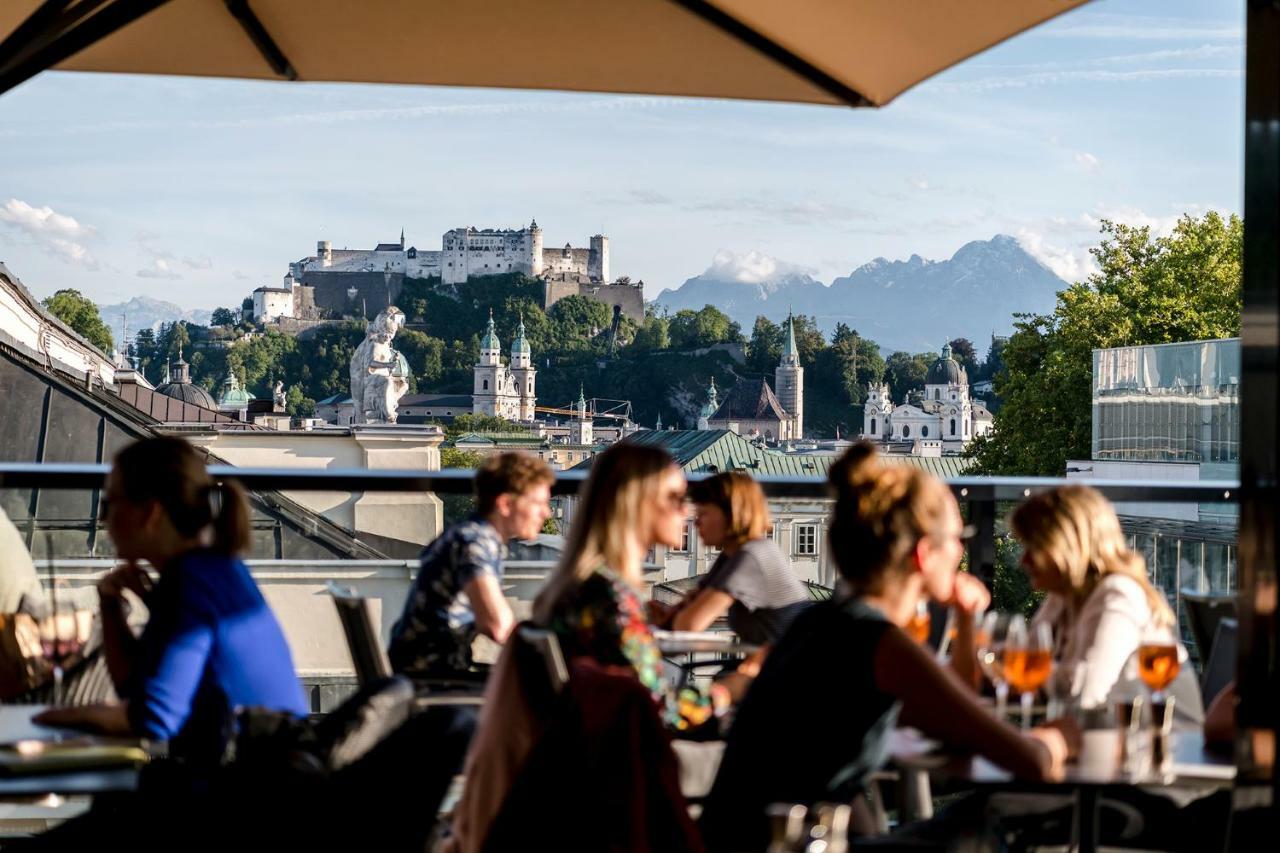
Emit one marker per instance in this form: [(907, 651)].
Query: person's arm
[(705, 607), (969, 596), (935, 701), (112, 720), (493, 615), (1220, 719), (119, 645)]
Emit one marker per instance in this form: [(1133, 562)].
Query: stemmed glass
[(64, 629), (988, 642), (1028, 660)]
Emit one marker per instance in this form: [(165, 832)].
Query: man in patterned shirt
[(458, 591)]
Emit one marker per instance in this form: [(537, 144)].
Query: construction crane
[(620, 410)]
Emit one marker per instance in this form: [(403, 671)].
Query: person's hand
[(969, 595), (131, 577), (1070, 731)]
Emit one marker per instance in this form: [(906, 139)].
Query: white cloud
[(202, 262), (1069, 263), (1087, 162), (1102, 25), (1161, 226), (239, 276), (918, 183), (159, 268), (57, 234), (751, 267)]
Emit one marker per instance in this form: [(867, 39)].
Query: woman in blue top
[(211, 643)]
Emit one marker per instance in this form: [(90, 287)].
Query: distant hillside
[(913, 305), (143, 312)]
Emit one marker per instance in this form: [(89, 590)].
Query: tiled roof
[(710, 451), (750, 399)]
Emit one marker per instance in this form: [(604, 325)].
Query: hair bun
[(856, 469)]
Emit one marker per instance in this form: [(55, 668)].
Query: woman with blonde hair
[(751, 580), (896, 539), (1100, 602)]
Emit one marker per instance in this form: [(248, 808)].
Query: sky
[(196, 191)]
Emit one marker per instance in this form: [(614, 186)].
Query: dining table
[(1193, 767), (701, 642), (17, 726)]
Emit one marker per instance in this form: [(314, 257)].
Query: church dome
[(187, 393), (946, 371), (520, 345), (490, 339), (233, 396)]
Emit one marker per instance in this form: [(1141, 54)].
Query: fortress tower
[(788, 380), (598, 260)]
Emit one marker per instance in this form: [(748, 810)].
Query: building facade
[(753, 410), (504, 390), (292, 300), (947, 413)]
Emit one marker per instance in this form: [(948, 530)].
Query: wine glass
[(921, 622), (988, 642), (1028, 660), (1158, 663), (64, 630)]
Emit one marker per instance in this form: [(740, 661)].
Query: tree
[(223, 317), (464, 424), (81, 314), (697, 329), (299, 405), (653, 334), (906, 373), (962, 351), (576, 320), (458, 507), (764, 350), (1148, 290)]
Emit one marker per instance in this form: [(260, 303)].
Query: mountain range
[(144, 312), (913, 305)]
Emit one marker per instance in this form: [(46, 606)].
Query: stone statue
[(277, 395), (379, 374)]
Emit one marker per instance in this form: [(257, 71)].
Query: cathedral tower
[(582, 429), (523, 374), (489, 374), (788, 381)]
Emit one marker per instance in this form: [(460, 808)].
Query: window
[(924, 432), (486, 385), (873, 426), (686, 539), (937, 394), (806, 538), (906, 431), (953, 426)]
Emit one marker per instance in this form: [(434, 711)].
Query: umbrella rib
[(262, 39), (50, 35), (717, 17)]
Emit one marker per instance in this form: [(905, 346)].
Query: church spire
[(402, 239)]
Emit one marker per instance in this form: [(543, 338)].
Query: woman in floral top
[(634, 500)]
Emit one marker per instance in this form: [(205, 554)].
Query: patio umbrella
[(857, 52)]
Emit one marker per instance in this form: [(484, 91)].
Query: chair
[(367, 654), (1204, 612), (547, 646), (1220, 665)]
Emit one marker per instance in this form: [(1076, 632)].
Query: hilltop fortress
[(336, 281)]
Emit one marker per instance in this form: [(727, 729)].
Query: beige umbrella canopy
[(859, 52)]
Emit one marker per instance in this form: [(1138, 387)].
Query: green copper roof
[(233, 396), (713, 450), (713, 400), (520, 345), (490, 339), (789, 347)]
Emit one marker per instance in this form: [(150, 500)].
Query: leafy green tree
[(576, 320), (697, 329), (653, 334), (962, 351), (223, 317), (837, 383), (81, 314), (906, 373), (765, 347), (464, 424), (299, 405), (993, 364), (1148, 290)]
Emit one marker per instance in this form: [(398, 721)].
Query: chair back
[(1204, 611), (367, 654), (547, 646), (1220, 665)]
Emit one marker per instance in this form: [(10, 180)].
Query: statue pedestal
[(403, 517)]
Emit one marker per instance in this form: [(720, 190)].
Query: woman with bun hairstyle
[(896, 539), (211, 643)]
